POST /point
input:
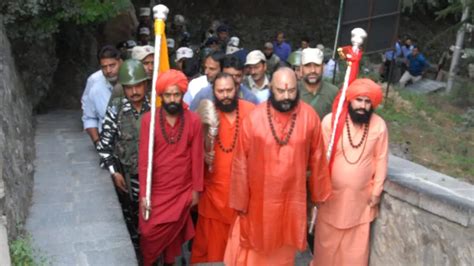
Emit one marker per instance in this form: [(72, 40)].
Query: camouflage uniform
[(118, 148)]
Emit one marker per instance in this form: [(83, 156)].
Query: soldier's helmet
[(295, 58), (132, 72)]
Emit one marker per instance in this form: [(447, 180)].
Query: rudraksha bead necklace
[(236, 133), (272, 127), (172, 139)]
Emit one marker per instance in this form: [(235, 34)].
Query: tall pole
[(160, 12), (457, 47), (338, 29), (336, 40)]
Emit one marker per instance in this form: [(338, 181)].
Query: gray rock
[(425, 86), (16, 142)]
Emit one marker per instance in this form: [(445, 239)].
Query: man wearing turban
[(358, 166), (177, 173)]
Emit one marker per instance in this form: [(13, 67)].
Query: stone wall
[(16, 142), (426, 218)]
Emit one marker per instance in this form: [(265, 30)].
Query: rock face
[(422, 238), (16, 142), (36, 64), (426, 218)]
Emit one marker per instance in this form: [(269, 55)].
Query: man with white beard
[(98, 90)]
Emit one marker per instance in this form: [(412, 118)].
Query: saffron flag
[(164, 62)]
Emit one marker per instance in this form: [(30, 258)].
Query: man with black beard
[(358, 165), (177, 172), (235, 68), (314, 90), (215, 216), (278, 142)]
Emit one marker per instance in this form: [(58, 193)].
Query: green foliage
[(442, 8), (39, 19), (23, 254)]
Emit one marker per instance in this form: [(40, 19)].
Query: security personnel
[(118, 146), (295, 63)]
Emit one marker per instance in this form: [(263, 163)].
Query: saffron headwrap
[(359, 87), (171, 77)]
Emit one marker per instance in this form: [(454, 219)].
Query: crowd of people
[(404, 57), (240, 151)]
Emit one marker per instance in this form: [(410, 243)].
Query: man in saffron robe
[(358, 166), (177, 175), (215, 215), (278, 142)]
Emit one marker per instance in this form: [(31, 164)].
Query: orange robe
[(215, 215), (268, 184), (346, 214)]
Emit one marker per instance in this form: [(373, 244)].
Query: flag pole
[(160, 13), (358, 36)]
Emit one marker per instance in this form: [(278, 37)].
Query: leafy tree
[(38, 19)]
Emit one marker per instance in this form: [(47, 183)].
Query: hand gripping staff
[(210, 120), (352, 55), (160, 13)]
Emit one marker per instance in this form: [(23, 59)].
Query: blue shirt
[(416, 64), (94, 100), (406, 50), (206, 93), (283, 50), (391, 54)]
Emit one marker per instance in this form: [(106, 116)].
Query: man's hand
[(241, 213), (195, 199), (120, 182), (143, 207), (374, 201), (209, 157), (93, 133)]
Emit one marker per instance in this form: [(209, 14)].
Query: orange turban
[(169, 78), (358, 87), (365, 87)]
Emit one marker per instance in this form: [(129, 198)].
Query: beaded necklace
[(236, 133), (172, 139), (362, 141), (272, 127)]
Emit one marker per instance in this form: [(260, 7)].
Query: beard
[(113, 79), (226, 107), (173, 108), (314, 79), (357, 118), (284, 105)]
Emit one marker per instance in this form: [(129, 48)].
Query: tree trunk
[(457, 49)]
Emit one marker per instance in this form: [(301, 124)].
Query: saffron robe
[(177, 171), (215, 215), (268, 181), (353, 185)]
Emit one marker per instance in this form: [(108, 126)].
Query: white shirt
[(262, 93), (95, 99), (195, 86)]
